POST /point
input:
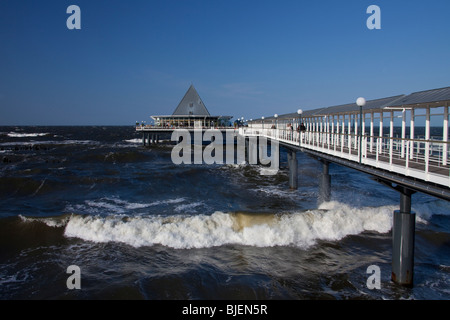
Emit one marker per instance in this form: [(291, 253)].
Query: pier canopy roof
[(377, 104), (429, 97), (421, 99), (190, 112)]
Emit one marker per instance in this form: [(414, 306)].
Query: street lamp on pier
[(276, 124), (361, 102)]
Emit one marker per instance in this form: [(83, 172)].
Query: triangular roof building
[(191, 105), (191, 112)]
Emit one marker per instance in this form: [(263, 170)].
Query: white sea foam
[(26, 135), (188, 207), (264, 171), (332, 221), (116, 206), (137, 140), (51, 142), (277, 191)]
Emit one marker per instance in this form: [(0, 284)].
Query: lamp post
[(276, 125), (299, 112), (262, 122), (361, 102)]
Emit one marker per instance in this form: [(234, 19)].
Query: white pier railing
[(417, 158)]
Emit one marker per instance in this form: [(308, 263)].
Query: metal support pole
[(252, 151), (360, 133), (325, 183), (247, 151), (143, 139), (293, 164), (403, 232)]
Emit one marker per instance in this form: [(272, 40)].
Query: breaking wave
[(333, 221)]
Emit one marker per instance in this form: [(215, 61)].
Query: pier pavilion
[(191, 112)]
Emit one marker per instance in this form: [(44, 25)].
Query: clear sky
[(246, 58)]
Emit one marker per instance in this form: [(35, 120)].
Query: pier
[(379, 137), (402, 141)]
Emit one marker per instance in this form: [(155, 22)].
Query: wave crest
[(26, 135), (332, 221)]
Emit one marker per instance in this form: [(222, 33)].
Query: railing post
[(342, 134), (371, 131), (427, 138), (313, 132), (381, 132), (360, 133), (376, 151), (408, 143), (331, 133), (403, 132), (445, 137), (391, 136), (357, 131), (336, 136), (411, 133), (349, 136)]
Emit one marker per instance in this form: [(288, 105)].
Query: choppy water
[(141, 227)]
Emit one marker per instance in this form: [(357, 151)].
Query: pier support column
[(403, 232), (143, 139), (247, 150), (293, 164), (253, 150), (325, 183)]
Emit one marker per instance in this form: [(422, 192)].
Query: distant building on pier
[(191, 113)]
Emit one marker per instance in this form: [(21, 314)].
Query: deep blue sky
[(249, 58)]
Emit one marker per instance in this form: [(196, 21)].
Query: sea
[(90, 205)]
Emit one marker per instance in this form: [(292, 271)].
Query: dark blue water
[(141, 227)]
